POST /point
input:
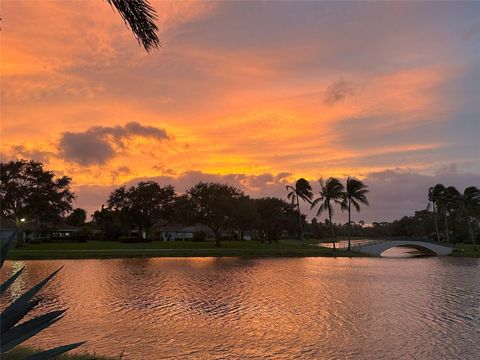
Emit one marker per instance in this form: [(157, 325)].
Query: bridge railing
[(358, 244)]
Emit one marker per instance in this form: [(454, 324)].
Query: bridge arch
[(425, 247)]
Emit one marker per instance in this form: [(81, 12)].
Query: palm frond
[(140, 16)]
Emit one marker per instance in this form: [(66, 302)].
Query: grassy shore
[(21, 353), (465, 250), (110, 249)]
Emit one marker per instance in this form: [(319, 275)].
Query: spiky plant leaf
[(10, 281), (5, 247), (9, 316), (17, 314), (49, 354), (12, 335), (140, 16), (26, 330)]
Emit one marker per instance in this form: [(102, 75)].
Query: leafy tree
[(213, 205), (330, 190), (77, 217), (355, 194), (301, 190), (110, 222), (274, 216), (29, 191), (142, 205), (245, 215)]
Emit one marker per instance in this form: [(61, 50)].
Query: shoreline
[(158, 249), (159, 253)]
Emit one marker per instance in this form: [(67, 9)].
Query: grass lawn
[(21, 353), (110, 249), (466, 250)]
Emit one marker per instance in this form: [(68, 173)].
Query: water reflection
[(403, 252), (228, 308)]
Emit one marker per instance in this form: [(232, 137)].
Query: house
[(166, 232), (38, 231), (63, 232)]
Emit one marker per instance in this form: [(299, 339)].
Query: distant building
[(39, 231), (166, 232)]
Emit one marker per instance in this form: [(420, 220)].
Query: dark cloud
[(85, 149), (337, 91), (97, 145)]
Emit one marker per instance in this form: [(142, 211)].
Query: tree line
[(28, 191)]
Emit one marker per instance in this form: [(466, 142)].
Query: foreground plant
[(12, 333)]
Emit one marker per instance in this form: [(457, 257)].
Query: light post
[(23, 221)]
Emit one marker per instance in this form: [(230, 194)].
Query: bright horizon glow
[(254, 94)]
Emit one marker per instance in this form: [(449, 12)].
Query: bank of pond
[(112, 249)]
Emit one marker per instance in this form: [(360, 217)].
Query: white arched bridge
[(377, 247)]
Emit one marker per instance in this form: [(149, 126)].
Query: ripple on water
[(314, 308)]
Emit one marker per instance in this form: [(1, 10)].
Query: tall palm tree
[(470, 204), (434, 194), (301, 190), (330, 190), (449, 200), (140, 16), (355, 194)]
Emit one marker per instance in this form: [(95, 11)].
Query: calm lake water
[(231, 308)]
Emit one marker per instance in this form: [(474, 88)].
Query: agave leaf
[(16, 314), (25, 331), (10, 281), (5, 247), (48, 354), (10, 316)]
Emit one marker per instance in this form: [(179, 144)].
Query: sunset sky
[(255, 94)]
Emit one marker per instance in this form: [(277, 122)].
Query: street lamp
[(24, 221)]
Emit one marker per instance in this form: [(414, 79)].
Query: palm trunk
[(331, 226), (435, 221), (300, 221), (472, 235), (446, 225), (349, 223)]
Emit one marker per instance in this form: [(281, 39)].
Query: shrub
[(133, 239), (199, 236)]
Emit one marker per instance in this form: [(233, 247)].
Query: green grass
[(21, 353), (465, 250), (110, 249)]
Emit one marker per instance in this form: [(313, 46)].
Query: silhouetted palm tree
[(302, 190), (355, 194), (140, 16), (435, 193), (330, 190), (470, 204), (449, 200)]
